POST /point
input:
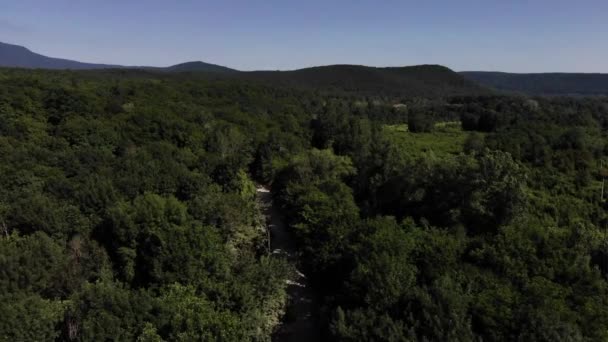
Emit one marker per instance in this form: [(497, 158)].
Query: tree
[(28, 317), (474, 143), (418, 122)]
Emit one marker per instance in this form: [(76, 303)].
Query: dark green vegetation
[(127, 209), (419, 80), (543, 84)]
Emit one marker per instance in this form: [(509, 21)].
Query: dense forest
[(128, 209)]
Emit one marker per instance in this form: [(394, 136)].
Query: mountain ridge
[(419, 80), (199, 66), (549, 83), (412, 80), (17, 56)]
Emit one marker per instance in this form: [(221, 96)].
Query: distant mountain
[(21, 57), (420, 80), (543, 83), (198, 66), (15, 56)]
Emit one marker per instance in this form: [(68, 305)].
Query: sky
[(491, 35)]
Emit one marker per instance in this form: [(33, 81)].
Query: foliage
[(128, 208)]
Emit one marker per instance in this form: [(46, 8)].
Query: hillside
[(198, 66), (543, 83), (420, 80)]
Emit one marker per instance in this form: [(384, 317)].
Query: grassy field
[(447, 138)]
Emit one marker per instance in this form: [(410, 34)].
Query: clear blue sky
[(505, 35)]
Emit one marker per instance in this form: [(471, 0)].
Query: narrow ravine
[(301, 321)]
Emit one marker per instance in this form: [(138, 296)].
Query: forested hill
[(419, 80), (428, 81), (198, 66), (543, 83)]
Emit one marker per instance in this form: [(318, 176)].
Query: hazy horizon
[(546, 36)]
